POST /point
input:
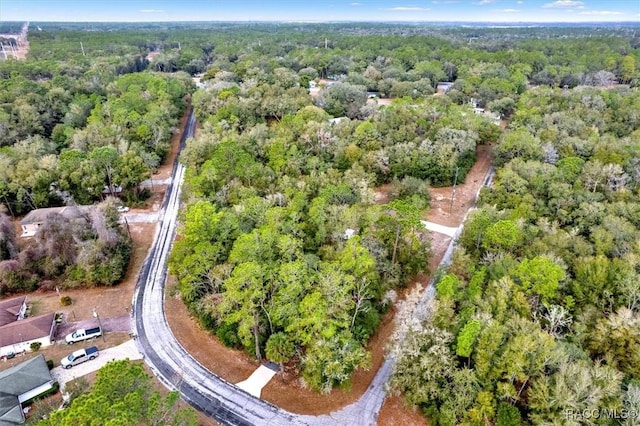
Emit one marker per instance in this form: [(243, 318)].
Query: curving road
[(205, 391), (161, 351)]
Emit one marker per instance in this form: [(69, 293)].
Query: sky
[(325, 10)]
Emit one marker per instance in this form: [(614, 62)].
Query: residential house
[(12, 310), (21, 383), (443, 87), (337, 120), (38, 217), (17, 336)]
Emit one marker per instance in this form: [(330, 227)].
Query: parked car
[(83, 334), (79, 357), (123, 209)]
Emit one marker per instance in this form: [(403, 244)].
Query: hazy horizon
[(433, 11)]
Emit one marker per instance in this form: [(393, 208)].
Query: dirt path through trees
[(442, 210)]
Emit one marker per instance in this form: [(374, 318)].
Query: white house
[(18, 336)]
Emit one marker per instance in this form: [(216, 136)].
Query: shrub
[(66, 300), (50, 364), (35, 346), (228, 335)]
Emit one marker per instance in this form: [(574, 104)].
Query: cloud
[(563, 3), (484, 2), (519, 2), (151, 11), (355, 4), (508, 10), (406, 9), (445, 1), (600, 12)]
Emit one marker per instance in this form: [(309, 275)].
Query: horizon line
[(306, 21)]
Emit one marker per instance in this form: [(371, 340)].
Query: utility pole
[(325, 42), (82, 47), (95, 314), (127, 223), (453, 191)]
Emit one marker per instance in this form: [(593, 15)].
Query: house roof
[(18, 380), (10, 308), (10, 410), (40, 215), (26, 329)]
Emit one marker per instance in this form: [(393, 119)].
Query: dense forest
[(76, 132), (537, 319), (287, 249)]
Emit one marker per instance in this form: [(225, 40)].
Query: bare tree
[(106, 234), (630, 286), (558, 319), (361, 294), (8, 248), (550, 154), (617, 179)]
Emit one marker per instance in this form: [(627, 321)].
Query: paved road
[(207, 392), (167, 358)]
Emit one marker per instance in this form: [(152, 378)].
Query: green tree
[(122, 394), (617, 337), (343, 99), (467, 338), (279, 348), (541, 276), (504, 235), (518, 143), (627, 69), (132, 170)]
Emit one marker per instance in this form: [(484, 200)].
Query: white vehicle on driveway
[(83, 334), (79, 357)]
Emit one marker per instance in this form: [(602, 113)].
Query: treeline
[(538, 318), (488, 63), (428, 139), (83, 247)]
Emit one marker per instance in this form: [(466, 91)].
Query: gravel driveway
[(121, 323)]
